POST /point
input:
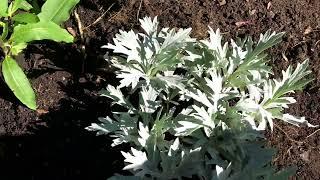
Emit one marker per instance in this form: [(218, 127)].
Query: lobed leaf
[(137, 161), (266, 41)]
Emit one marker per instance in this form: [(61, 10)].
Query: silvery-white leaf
[(247, 105), (222, 174), (126, 43), (254, 92), (174, 146), (149, 26), (206, 118), (265, 117), (106, 126), (266, 41), (136, 160), (129, 76), (200, 97), (186, 128), (144, 134), (297, 121), (116, 95), (174, 38), (215, 44), (148, 103)]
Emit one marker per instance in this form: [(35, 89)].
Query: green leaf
[(19, 4), (17, 48), (57, 10), (3, 8), (40, 31), (18, 82), (25, 18)]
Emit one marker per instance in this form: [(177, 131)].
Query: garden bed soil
[(51, 143)]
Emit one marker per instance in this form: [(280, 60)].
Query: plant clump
[(202, 104)]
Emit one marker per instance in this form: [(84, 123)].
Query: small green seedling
[(23, 23)]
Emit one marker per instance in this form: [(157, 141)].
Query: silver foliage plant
[(196, 109)]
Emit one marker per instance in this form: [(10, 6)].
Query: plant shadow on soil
[(53, 144)]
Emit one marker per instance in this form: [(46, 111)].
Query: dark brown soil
[(52, 143)]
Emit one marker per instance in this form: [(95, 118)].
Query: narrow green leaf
[(18, 82), (25, 18), (57, 11), (40, 31), (3, 8)]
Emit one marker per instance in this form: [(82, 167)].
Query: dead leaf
[(42, 111)]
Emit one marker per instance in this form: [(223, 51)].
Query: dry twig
[(140, 4), (99, 18), (291, 139)]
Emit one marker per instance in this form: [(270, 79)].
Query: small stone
[(222, 2), (272, 14), (82, 80), (242, 23), (308, 30), (269, 6), (305, 156), (72, 31), (252, 12)]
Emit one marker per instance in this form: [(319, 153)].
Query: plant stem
[(3, 48)]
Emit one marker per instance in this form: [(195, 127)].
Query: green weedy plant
[(22, 24), (202, 104)]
